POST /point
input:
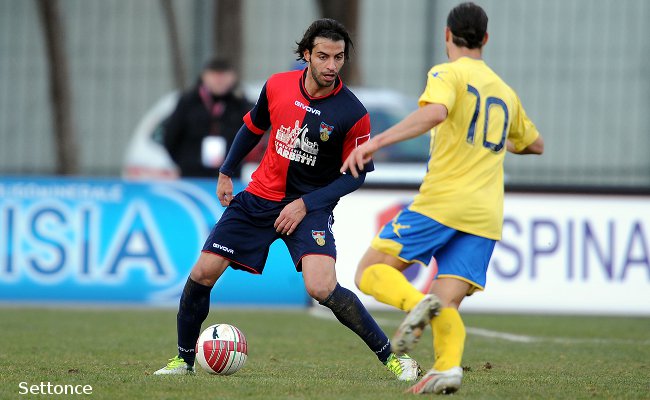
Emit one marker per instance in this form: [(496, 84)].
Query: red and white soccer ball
[(221, 349)]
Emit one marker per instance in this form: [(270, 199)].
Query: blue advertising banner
[(68, 240)]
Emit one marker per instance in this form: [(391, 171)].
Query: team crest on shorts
[(325, 131), (319, 237)]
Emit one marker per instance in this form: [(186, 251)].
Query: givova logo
[(223, 248), (306, 108)]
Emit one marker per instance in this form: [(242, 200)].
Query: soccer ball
[(221, 349)]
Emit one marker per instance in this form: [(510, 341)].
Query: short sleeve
[(258, 119), (441, 87), (522, 130)]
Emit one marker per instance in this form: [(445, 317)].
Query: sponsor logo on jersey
[(223, 248), (325, 131), (306, 108), (319, 237), (294, 145)]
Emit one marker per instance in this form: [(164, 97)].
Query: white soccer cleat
[(176, 366), (409, 332), (439, 382), (404, 367)]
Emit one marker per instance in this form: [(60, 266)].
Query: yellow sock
[(448, 339), (389, 286)]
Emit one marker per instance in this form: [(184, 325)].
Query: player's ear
[(447, 34), (306, 54)]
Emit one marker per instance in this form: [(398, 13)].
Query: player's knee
[(319, 291), (208, 269), (198, 275)]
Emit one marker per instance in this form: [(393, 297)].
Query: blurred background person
[(200, 131)]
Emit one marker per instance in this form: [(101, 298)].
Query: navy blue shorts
[(245, 232)]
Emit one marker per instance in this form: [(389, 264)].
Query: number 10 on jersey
[(489, 103)]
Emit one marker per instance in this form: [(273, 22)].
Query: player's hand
[(290, 217), (224, 189), (359, 157)]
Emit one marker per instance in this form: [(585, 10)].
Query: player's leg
[(380, 275), (193, 309), (194, 305), (448, 340), (320, 281), (313, 250), (462, 267), (241, 239), (448, 327), (410, 237)]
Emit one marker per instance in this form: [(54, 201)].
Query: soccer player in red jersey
[(315, 123)]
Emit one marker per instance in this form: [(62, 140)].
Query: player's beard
[(321, 83)]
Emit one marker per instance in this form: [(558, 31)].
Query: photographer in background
[(200, 131)]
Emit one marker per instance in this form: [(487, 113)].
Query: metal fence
[(581, 68)]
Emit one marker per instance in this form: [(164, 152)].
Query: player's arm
[(537, 147), (256, 122), (244, 142), (415, 124), (293, 213), (330, 194), (523, 137)]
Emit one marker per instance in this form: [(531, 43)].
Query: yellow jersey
[(463, 186)]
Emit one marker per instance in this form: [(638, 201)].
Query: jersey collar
[(338, 85)]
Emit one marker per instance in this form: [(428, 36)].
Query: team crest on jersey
[(325, 131), (319, 237)]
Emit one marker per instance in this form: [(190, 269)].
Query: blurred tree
[(347, 13), (227, 31), (178, 66), (65, 140)]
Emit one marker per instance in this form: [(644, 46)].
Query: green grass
[(294, 355)]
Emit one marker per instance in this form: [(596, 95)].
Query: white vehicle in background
[(146, 157), (403, 164)]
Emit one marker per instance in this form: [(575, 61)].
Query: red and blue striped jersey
[(310, 136)]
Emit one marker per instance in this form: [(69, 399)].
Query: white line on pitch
[(325, 313)]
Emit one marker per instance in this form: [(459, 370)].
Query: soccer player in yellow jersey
[(457, 216)]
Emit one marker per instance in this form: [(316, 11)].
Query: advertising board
[(587, 254), (75, 240)]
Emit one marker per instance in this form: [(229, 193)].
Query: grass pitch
[(295, 355)]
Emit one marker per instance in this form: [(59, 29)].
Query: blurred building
[(581, 68)]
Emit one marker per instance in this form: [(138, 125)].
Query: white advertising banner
[(578, 254)]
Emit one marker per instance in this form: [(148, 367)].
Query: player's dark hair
[(468, 24), (326, 28)]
